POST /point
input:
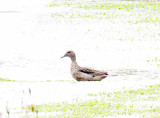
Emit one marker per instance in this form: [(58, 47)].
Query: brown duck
[(82, 73)]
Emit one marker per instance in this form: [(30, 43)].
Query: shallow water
[(32, 43), (16, 94)]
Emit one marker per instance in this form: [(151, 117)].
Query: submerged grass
[(142, 103)]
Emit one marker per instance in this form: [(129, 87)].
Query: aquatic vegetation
[(134, 12), (154, 61), (140, 102), (7, 80), (118, 5)]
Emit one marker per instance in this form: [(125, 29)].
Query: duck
[(83, 73)]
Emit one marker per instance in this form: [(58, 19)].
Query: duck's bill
[(63, 56)]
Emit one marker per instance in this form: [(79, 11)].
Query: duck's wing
[(92, 72)]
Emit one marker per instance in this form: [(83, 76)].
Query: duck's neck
[(74, 62)]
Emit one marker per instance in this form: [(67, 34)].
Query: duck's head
[(70, 54)]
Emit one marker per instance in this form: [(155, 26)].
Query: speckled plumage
[(83, 73)]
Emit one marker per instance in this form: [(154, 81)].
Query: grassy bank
[(141, 103)]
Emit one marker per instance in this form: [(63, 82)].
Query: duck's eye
[(69, 52)]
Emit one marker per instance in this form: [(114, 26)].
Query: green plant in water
[(109, 104), (7, 80), (155, 60)]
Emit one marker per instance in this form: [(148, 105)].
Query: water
[(32, 42)]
